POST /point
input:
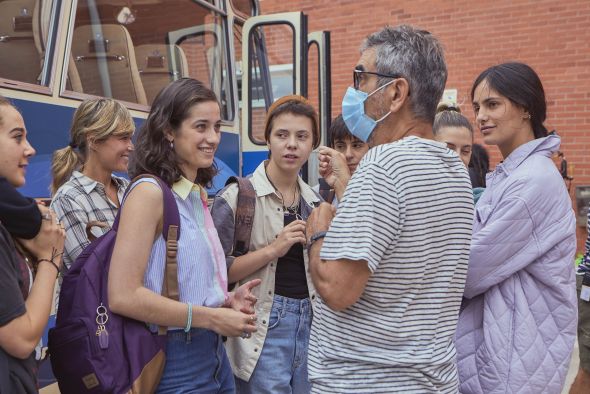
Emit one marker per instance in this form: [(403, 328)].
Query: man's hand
[(320, 219), (334, 169)]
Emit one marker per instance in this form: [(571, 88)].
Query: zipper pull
[(103, 339)]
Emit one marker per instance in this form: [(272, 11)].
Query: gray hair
[(418, 57)]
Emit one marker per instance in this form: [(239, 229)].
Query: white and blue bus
[(56, 53)]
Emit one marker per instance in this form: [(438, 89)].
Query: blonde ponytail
[(63, 164)]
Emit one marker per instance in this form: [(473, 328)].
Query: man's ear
[(399, 93)]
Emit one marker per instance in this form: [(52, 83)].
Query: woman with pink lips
[(86, 194), (274, 359), (517, 324), (26, 283)]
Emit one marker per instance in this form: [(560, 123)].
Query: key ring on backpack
[(101, 315)]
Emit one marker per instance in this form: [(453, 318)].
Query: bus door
[(319, 93), (274, 64)]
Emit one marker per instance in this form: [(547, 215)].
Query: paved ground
[(568, 382), (571, 374)]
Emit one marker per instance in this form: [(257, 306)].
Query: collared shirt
[(82, 200), (268, 223), (202, 276)]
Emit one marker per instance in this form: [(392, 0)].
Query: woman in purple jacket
[(517, 325)]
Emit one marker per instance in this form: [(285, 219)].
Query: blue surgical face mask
[(353, 113)]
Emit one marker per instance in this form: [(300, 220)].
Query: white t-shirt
[(408, 212)]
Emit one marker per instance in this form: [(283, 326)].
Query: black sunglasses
[(356, 76)]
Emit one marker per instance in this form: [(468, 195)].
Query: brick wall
[(554, 38)]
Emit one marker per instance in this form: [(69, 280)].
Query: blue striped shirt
[(202, 273)]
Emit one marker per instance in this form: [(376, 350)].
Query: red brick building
[(552, 37)]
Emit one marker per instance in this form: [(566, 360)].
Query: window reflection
[(24, 28), (131, 51)]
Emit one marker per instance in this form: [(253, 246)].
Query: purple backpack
[(93, 350)]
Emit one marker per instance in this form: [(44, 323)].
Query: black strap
[(326, 191)]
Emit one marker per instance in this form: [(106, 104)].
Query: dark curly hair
[(170, 108)]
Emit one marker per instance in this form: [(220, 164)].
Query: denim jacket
[(268, 223)]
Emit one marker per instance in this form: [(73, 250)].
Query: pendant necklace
[(294, 207)]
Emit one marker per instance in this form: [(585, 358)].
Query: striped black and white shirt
[(408, 212)]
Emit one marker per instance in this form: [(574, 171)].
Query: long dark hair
[(153, 154), (520, 84), (479, 165)]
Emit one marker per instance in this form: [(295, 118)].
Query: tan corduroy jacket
[(268, 223)]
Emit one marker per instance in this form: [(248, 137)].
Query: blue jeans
[(282, 366), (196, 363)]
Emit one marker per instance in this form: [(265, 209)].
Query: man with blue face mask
[(391, 265)]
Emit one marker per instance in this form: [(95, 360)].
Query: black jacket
[(18, 214)]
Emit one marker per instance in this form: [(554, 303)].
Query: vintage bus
[(55, 53)]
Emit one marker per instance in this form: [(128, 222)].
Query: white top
[(408, 212)]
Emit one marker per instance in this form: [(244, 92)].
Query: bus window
[(271, 72), (244, 8), (131, 52), (24, 32)]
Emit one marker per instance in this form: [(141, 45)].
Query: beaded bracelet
[(189, 317), (52, 263)]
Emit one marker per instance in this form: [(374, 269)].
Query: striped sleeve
[(368, 221), (587, 253)]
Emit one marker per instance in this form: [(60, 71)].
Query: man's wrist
[(315, 237)]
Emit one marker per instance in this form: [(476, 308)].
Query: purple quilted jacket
[(517, 324)]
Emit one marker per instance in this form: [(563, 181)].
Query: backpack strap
[(170, 232), (244, 219), (327, 193)]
